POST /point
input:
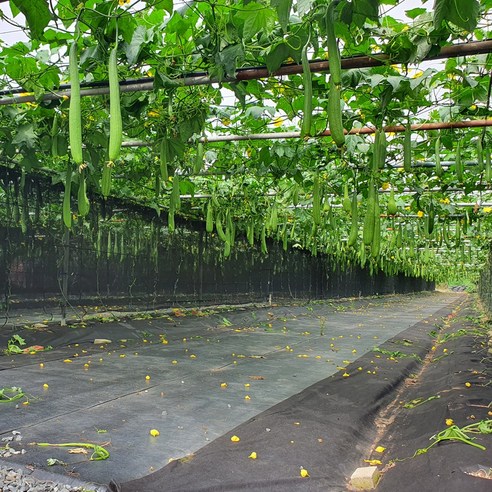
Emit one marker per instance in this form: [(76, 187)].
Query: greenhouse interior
[(245, 245)]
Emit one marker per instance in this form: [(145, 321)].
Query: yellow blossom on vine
[(487, 210), (277, 122), (444, 201), (420, 214)]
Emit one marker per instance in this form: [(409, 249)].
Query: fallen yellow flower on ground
[(380, 449), (235, 439), (154, 432), (373, 462), (253, 455), (304, 473)]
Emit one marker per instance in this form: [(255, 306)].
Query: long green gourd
[(67, 212), (459, 163), (437, 156), (376, 240), (407, 149), (335, 122), (354, 228), (307, 114), (115, 121), (369, 223), (74, 114)]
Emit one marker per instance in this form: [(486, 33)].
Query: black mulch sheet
[(330, 428)]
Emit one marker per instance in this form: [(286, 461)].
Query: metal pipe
[(365, 130), (462, 49)]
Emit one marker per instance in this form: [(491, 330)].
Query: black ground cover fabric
[(441, 468), (290, 346), (328, 429)]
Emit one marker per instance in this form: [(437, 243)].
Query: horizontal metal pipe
[(462, 49), (365, 130)]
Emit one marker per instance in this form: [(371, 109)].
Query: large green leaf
[(304, 6), (228, 59), (140, 36), (257, 19), (283, 8), (162, 4), (37, 14), (365, 9), (462, 13), (25, 136)]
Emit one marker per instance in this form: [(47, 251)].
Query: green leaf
[(304, 6), (277, 56), (257, 19), (140, 36), (413, 13), (25, 136), (229, 57), (283, 8), (462, 13), (166, 5), (365, 9), (37, 14)]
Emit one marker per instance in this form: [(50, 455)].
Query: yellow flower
[(154, 432), (235, 438), (345, 374), (407, 208), (41, 365), (487, 210), (385, 186), (277, 122), (467, 384), (420, 214), (449, 421), (380, 449), (153, 114), (253, 455), (444, 201), (67, 361), (147, 377), (45, 386), (223, 385), (247, 397), (304, 473)]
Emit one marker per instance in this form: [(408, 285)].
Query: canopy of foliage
[(201, 86)]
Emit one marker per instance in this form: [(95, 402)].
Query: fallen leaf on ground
[(78, 451)]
